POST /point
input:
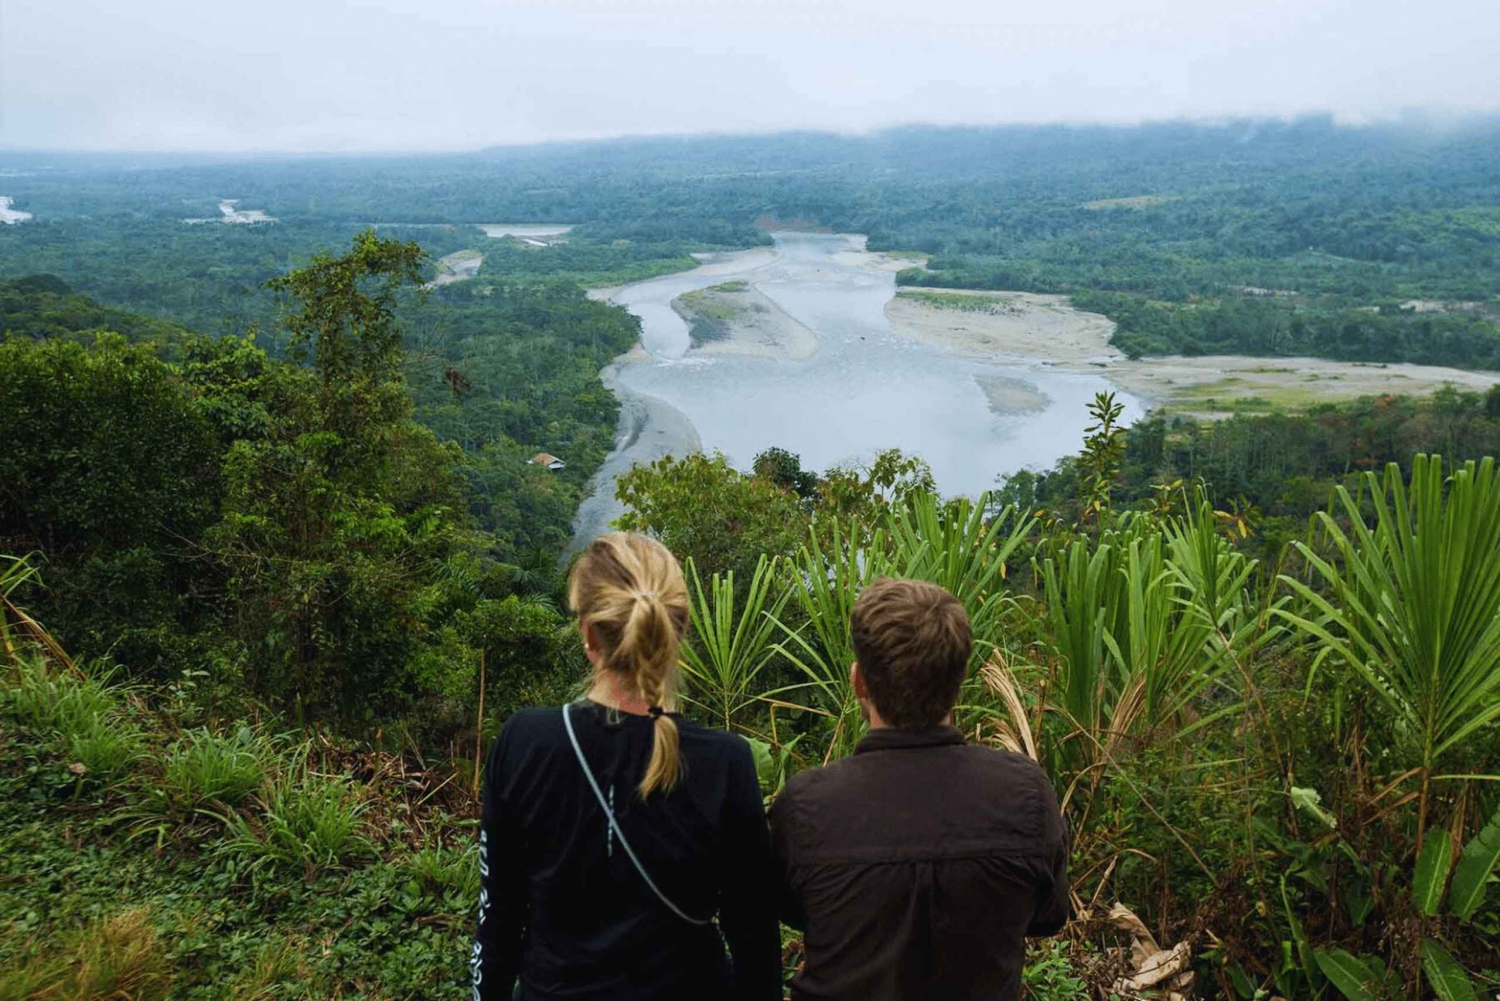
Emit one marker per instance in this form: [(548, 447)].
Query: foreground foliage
[(1247, 758), (1277, 762), (268, 868)]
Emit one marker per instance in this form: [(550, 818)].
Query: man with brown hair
[(917, 867)]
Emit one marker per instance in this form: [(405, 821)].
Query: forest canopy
[(1323, 218)]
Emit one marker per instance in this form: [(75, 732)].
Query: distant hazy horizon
[(410, 76), (1418, 121)]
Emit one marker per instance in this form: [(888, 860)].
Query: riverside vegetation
[(1256, 236)]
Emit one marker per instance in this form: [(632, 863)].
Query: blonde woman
[(623, 847)]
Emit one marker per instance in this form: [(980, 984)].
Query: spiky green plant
[(1412, 603), (730, 647), (1081, 588), (825, 584), (1214, 583), (1145, 621), (956, 546)]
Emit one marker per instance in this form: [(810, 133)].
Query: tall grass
[(202, 774), (280, 969), (447, 872), (83, 717), (203, 767), (118, 958), (305, 819), (105, 749), (47, 697)]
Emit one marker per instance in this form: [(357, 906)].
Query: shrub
[(1049, 975)]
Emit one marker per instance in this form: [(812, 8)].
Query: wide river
[(865, 389)]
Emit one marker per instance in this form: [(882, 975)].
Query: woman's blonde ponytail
[(629, 591)]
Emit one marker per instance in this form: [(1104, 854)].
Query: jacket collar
[(895, 739)]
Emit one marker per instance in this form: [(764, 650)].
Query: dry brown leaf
[(1159, 966), (1015, 735), (1143, 942), (1152, 966)]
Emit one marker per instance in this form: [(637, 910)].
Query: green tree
[(332, 518), (1102, 456), (702, 508), (864, 493), (342, 317), (784, 469), (108, 470)]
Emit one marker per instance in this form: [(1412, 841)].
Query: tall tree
[(333, 518)]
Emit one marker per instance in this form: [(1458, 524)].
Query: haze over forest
[(282, 75)]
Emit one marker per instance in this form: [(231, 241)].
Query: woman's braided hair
[(628, 593)]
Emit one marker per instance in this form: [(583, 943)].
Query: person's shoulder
[(532, 725), (998, 776), (531, 718), (812, 783), (1005, 766)]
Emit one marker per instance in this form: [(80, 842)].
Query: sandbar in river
[(863, 389)]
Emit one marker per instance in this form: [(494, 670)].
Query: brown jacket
[(917, 867)]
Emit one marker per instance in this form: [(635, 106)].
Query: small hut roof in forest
[(548, 460)]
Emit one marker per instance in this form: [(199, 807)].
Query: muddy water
[(864, 390)]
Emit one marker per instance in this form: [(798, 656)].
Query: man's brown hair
[(913, 641)]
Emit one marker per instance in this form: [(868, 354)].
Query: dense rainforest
[(1167, 220), (276, 563)]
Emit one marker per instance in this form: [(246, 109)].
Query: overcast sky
[(424, 74)]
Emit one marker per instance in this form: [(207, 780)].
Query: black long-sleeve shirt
[(562, 907), (918, 867)]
